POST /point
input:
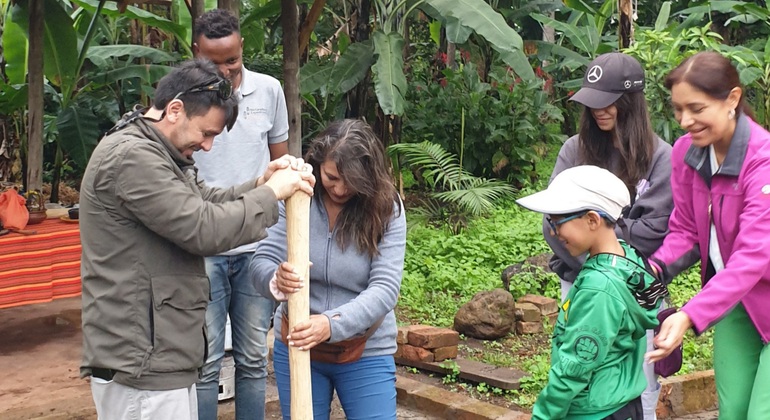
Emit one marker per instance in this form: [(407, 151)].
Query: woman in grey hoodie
[(616, 134), (357, 245)]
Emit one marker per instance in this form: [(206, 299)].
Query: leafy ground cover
[(443, 271)]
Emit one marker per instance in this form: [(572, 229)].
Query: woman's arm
[(381, 294), (270, 252), (647, 219), (680, 248)]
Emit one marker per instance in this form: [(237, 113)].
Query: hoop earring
[(731, 114)]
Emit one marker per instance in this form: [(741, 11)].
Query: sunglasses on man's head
[(223, 88)]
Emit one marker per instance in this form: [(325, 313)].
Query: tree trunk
[(357, 97), (290, 24), (626, 26), (34, 180), (309, 24), (231, 5), (198, 8)]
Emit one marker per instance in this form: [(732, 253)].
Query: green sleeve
[(593, 319)]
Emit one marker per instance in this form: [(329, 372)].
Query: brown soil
[(512, 350)]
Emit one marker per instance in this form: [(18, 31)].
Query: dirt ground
[(40, 355), (40, 359)]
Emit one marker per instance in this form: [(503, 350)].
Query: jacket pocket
[(178, 316)]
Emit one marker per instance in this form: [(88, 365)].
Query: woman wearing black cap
[(616, 134)]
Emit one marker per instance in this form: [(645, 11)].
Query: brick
[(443, 353), (528, 327), (417, 354), (432, 338), (401, 337), (399, 351), (552, 318), (529, 312), (546, 305), (686, 394)]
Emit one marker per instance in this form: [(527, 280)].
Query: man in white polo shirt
[(260, 135)]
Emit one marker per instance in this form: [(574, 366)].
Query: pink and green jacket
[(737, 200)]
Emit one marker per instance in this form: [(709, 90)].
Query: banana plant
[(65, 53), (384, 53)]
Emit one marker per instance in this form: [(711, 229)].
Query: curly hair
[(362, 165), (215, 24)]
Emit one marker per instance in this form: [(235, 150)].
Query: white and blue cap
[(578, 189), (608, 77)]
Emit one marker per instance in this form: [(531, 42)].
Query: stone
[(546, 305), (443, 353), (417, 354), (529, 312), (433, 337), (488, 316), (529, 327)]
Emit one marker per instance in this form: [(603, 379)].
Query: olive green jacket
[(145, 224)]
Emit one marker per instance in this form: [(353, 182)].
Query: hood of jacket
[(644, 291)]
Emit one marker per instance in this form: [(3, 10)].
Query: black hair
[(215, 24), (191, 74)]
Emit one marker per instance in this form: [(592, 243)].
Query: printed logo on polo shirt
[(595, 74), (766, 190), (247, 111)]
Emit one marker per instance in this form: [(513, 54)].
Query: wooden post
[(35, 99), (290, 24), (298, 241)]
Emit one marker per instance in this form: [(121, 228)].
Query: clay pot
[(36, 217)]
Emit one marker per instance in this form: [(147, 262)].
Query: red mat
[(41, 267)]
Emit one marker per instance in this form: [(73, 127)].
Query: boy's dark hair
[(191, 74), (215, 24)]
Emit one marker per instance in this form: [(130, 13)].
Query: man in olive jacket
[(146, 223)]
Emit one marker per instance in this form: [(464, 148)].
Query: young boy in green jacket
[(599, 340)]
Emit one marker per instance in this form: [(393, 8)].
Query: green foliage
[(659, 50), (453, 191), (490, 25), (443, 271), (498, 129), (538, 367), (452, 371)]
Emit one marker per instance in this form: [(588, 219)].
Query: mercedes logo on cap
[(627, 84), (594, 74)]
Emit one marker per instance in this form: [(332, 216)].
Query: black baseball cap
[(608, 77)]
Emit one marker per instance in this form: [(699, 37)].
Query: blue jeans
[(366, 388), (233, 292)]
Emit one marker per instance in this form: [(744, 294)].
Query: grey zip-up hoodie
[(350, 288), (647, 218), (145, 225)]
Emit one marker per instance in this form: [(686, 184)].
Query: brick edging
[(687, 394), (441, 403)]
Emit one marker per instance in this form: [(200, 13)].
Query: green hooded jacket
[(599, 340)]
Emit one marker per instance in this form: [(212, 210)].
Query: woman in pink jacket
[(721, 188)]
